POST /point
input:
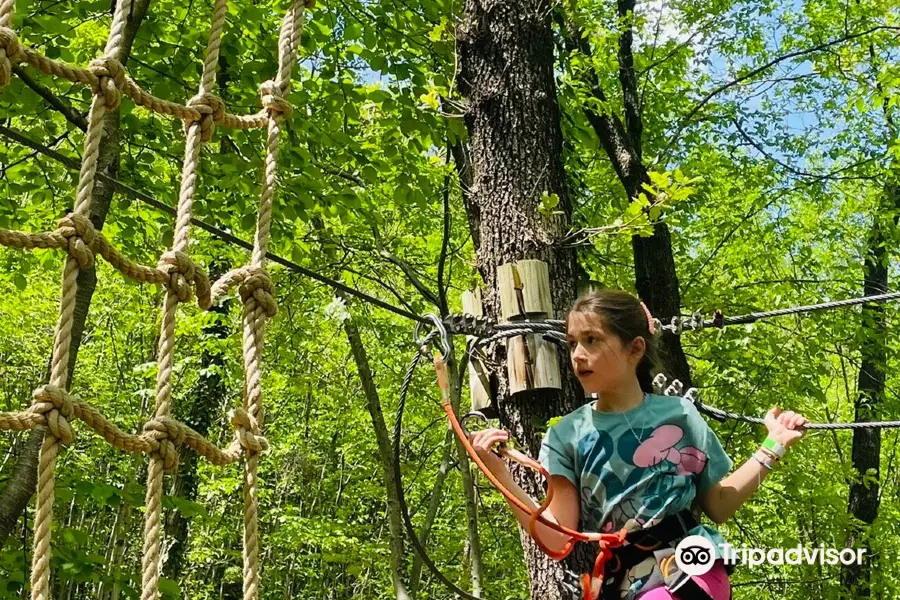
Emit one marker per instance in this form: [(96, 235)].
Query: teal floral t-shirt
[(637, 467)]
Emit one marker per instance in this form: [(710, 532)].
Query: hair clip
[(651, 324)]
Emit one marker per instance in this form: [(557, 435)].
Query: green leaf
[(169, 588)]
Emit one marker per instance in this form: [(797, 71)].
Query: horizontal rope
[(78, 237), (693, 395), (696, 323), (109, 77), (54, 407), (485, 328), (551, 330)]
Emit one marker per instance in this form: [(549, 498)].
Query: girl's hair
[(623, 315)]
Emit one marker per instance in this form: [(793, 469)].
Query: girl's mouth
[(584, 372)]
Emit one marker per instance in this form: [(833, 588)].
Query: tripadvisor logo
[(695, 555)]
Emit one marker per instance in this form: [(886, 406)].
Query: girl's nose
[(578, 353)]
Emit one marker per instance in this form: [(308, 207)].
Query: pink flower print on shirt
[(660, 447)]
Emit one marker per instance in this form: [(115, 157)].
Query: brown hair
[(622, 314)]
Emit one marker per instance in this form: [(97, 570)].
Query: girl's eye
[(591, 339)]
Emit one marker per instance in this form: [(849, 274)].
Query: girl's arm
[(564, 508), (723, 499)]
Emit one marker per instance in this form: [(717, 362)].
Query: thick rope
[(97, 76), (256, 289), (53, 406), (105, 99), (198, 131), (77, 236)]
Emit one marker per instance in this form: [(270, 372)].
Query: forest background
[(706, 155)]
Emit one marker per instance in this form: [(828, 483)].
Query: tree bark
[(515, 142), (385, 453), (21, 485), (864, 496)]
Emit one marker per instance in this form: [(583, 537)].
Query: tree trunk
[(864, 496), (468, 481), (434, 502), (199, 414), (655, 278), (515, 141), (385, 453), (21, 485)]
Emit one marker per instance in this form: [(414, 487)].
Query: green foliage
[(770, 191)]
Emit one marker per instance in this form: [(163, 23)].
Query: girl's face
[(600, 360)]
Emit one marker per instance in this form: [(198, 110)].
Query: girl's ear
[(638, 347)]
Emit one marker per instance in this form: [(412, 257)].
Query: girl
[(638, 460)]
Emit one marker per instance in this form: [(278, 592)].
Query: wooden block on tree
[(536, 294), (507, 282), (524, 290), (478, 379)]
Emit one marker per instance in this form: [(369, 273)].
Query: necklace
[(643, 424)]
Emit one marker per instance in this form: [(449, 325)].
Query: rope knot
[(247, 431), (110, 76), (10, 54), (271, 97), (80, 235), (212, 111), (57, 407), (169, 435), (258, 287), (182, 273)]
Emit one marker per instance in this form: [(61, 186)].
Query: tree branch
[(607, 126), (627, 78), (411, 275), (823, 176), (753, 73), (71, 115)]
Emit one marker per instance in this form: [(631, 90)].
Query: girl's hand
[(784, 426), (483, 441)]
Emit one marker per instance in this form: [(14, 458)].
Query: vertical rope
[(254, 314), (40, 568), (7, 12), (166, 349), (256, 291)]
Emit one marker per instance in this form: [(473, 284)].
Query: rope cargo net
[(53, 406)]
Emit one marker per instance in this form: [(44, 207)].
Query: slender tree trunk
[(515, 142), (655, 278), (468, 481), (386, 454), (866, 455), (199, 413), (21, 485), (434, 502)]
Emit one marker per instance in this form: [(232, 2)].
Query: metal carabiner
[(475, 414), (446, 346)]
